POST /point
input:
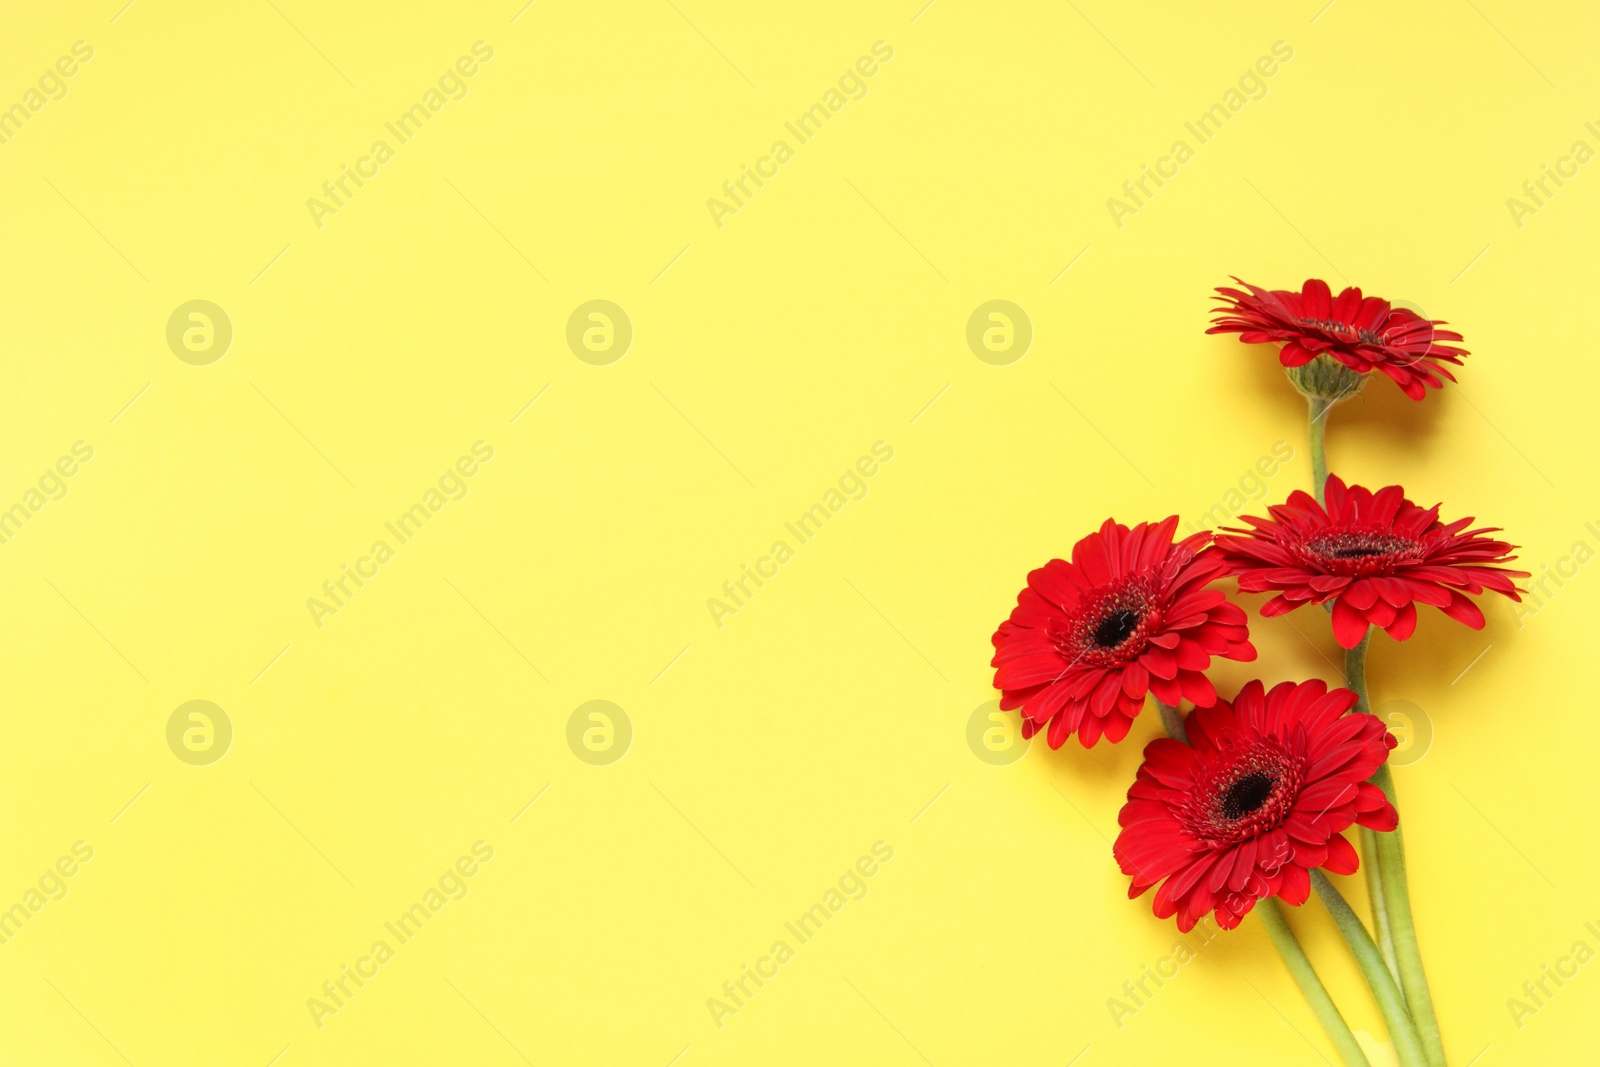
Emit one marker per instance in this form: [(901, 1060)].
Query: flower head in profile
[(1260, 800), (1375, 555), (1129, 615), (1363, 333)]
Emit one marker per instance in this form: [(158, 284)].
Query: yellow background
[(769, 353)]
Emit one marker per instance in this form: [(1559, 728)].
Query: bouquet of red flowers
[(1246, 800)]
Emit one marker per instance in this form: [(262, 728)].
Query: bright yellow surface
[(776, 341)]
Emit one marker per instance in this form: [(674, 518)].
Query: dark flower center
[(1354, 551), (1244, 791), (1115, 628), (1246, 796), (1341, 328), (1360, 551), (1112, 624)]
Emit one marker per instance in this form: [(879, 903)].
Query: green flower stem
[(1319, 456), (1404, 953), (1355, 661), (1305, 976), (1379, 899), (1288, 946), (1172, 722), (1402, 1031)]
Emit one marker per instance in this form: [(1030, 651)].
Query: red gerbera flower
[(1130, 614), (1362, 333), (1375, 555), (1259, 802)]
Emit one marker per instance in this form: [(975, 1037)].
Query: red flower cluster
[(1129, 615), (1363, 333), (1256, 804), (1263, 791), (1375, 555)]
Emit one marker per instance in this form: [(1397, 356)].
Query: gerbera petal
[(1296, 885), (1349, 625), (1404, 624), (1317, 298), (1197, 687), (1135, 680), (1464, 611), (1295, 354), (1342, 857), (1117, 727)]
